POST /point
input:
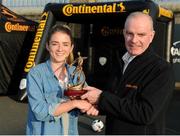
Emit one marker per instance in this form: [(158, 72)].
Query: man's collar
[(127, 57)]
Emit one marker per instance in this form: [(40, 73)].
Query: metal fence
[(29, 3), (42, 3), (34, 7)]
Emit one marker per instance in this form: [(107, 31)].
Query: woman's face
[(59, 47)]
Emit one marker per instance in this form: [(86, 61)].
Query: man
[(138, 103)]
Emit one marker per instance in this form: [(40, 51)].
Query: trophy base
[(74, 94)]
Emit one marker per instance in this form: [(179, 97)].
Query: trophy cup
[(75, 89)]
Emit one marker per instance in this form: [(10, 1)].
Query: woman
[(50, 112)]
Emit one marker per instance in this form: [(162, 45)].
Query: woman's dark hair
[(60, 28)]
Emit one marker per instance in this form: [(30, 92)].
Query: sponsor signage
[(70, 9), (30, 63), (9, 27), (175, 53)]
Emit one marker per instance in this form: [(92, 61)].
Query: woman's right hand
[(83, 105)]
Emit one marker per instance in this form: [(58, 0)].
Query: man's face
[(138, 35)]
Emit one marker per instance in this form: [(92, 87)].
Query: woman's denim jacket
[(44, 94)]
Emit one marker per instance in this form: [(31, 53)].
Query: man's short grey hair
[(138, 13)]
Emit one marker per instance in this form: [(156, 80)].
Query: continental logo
[(31, 59), (10, 16), (7, 13), (17, 27), (71, 9), (165, 12), (106, 31), (146, 11)]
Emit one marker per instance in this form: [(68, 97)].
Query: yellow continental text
[(30, 63), (71, 9), (165, 12), (15, 27)]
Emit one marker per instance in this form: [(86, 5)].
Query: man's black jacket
[(138, 102)]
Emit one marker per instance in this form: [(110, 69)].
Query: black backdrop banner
[(16, 37), (99, 35)]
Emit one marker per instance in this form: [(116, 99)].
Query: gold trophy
[(75, 90)]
